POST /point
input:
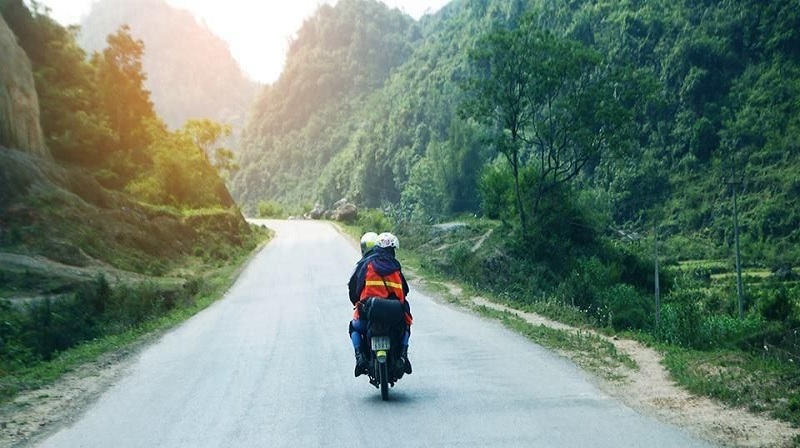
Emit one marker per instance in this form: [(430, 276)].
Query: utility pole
[(657, 283), (739, 286)]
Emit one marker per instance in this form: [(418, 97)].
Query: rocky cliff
[(19, 105)]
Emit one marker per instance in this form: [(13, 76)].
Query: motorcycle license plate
[(380, 343)]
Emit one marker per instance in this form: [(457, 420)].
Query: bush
[(270, 209), (723, 331), (374, 220), (681, 317), (497, 193), (581, 286), (779, 304), (688, 325), (627, 308)]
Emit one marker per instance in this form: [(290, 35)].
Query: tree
[(499, 97), (181, 174), (550, 103), (206, 135), (120, 86)]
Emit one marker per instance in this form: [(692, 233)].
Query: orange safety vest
[(377, 286)]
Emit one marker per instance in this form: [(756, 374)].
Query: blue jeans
[(360, 331)]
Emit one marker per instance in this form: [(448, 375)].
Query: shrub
[(374, 220), (270, 209), (723, 331), (627, 308), (497, 193), (680, 324), (581, 286), (779, 304)]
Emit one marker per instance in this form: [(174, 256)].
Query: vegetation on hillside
[(340, 55), (586, 135), (129, 222)]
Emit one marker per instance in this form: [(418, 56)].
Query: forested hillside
[(108, 219), (340, 56), (717, 108), (190, 71), (592, 140)]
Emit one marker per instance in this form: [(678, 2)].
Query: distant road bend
[(271, 365)]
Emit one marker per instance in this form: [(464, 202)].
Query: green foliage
[(686, 322), (99, 114), (77, 131), (339, 56), (497, 192), (270, 209), (206, 135), (182, 174), (552, 106), (374, 220), (755, 381), (779, 303), (119, 81), (627, 308)]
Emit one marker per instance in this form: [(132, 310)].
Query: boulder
[(316, 212), (339, 203), (346, 213)]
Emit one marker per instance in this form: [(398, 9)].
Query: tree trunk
[(520, 209)]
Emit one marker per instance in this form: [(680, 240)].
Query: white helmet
[(387, 239), (368, 241)]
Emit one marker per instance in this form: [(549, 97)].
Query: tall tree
[(499, 95), (551, 104), (124, 99)]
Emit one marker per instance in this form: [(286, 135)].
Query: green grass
[(757, 383)]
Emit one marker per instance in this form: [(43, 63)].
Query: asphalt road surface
[(271, 365)]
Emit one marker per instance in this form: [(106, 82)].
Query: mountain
[(190, 71), (717, 107), (340, 56)]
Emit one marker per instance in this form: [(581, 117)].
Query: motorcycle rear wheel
[(383, 373)]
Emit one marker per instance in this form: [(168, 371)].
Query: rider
[(378, 274), (368, 243)]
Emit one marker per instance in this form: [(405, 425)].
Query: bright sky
[(257, 31)]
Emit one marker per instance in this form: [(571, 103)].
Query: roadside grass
[(758, 383), (206, 282)]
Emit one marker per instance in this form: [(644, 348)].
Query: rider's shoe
[(361, 364), (406, 361)]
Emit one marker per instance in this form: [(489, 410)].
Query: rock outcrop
[(19, 104)]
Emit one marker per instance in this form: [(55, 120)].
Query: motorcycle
[(385, 328)]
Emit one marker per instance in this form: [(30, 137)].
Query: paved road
[(271, 365)]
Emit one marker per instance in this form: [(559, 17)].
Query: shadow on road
[(395, 397)]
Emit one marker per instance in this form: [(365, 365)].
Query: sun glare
[(257, 32)]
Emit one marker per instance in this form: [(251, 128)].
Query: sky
[(257, 31)]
